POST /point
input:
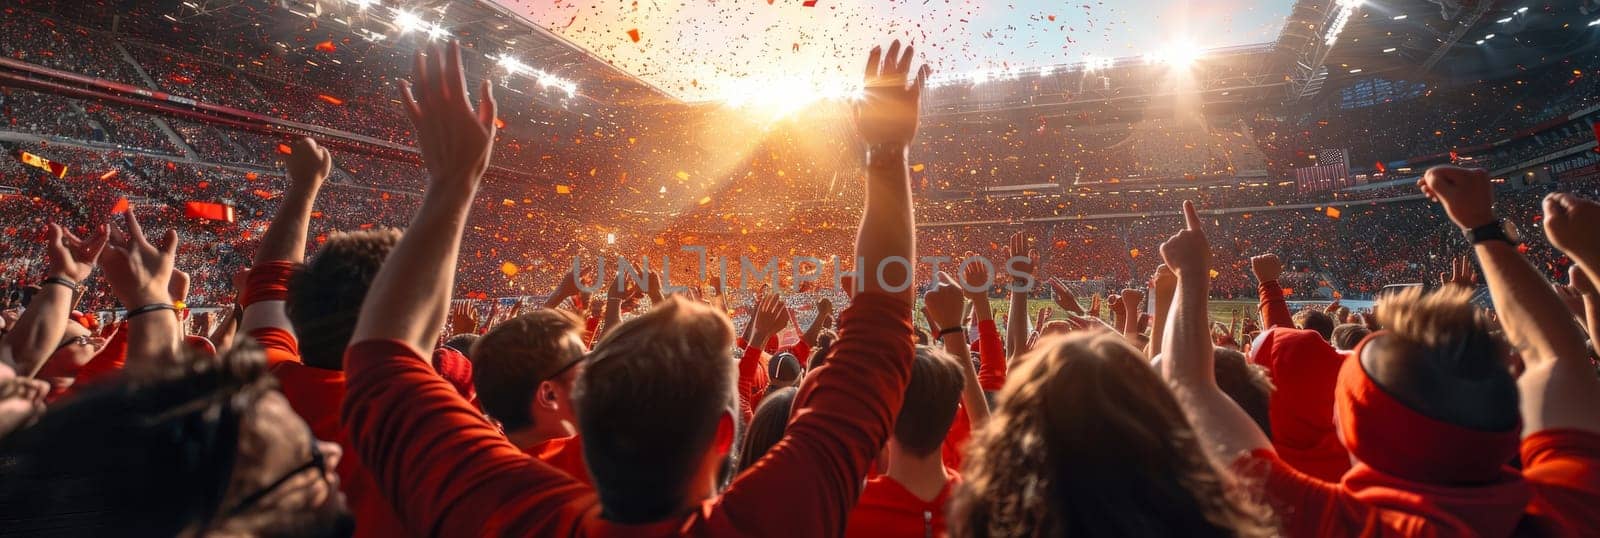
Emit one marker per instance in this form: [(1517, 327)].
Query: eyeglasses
[(563, 369), (318, 461)]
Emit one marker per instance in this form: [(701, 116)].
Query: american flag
[(1331, 172)]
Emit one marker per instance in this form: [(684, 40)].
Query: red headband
[(1392, 438)]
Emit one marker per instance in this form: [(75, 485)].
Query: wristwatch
[(1495, 231)]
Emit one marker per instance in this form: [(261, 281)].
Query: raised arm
[(818, 323), (140, 276), (944, 306), (887, 120), (1017, 311), (411, 293), (991, 351), (845, 410), (39, 329), (1164, 284), (1274, 308), (284, 244), (1558, 387), (567, 288), (1188, 366)]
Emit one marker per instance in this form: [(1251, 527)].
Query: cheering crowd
[(347, 393)]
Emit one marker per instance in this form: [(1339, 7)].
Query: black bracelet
[(950, 330), (60, 281), (146, 309)]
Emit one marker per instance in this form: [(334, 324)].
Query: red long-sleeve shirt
[(991, 377), (753, 380), (1274, 307), (888, 510), (450, 473), (316, 395)]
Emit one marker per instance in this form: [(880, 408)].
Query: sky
[(732, 50)]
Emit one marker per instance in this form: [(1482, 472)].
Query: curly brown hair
[(1086, 440), (325, 294)]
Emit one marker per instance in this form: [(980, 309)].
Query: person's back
[(1304, 369), (1088, 441), (656, 401), (909, 500), (1428, 410)]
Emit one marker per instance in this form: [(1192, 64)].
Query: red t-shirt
[(888, 510), (1557, 494), (565, 453), (451, 473)]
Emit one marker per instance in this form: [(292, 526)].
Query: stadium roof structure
[(1322, 42), (379, 31), (1463, 40)]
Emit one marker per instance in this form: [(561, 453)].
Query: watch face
[(1512, 233)]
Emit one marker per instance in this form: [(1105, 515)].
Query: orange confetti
[(705, 200), (634, 35), (326, 46), (510, 269), (1333, 212), (563, 189), (918, 167), (329, 99), (1214, 273), (499, 123), (284, 149), (1134, 253)]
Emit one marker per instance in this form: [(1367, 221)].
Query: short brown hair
[(325, 295), (932, 394), (1315, 320), (1346, 336), (1440, 358), (648, 403), (1246, 383), (517, 355)]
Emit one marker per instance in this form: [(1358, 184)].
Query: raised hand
[(1466, 194), (887, 113), (1187, 252), (1064, 298), (138, 271), (308, 164), (1573, 225), (73, 258), (770, 316), (1132, 299), (824, 309), (1164, 282), (976, 282), (652, 286), (943, 302), (1461, 273), (455, 139), (1027, 259), (1266, 267)]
